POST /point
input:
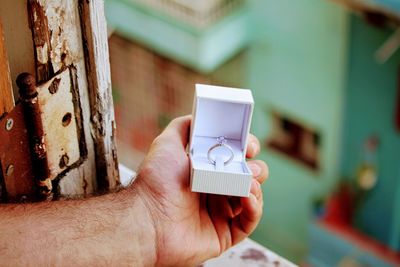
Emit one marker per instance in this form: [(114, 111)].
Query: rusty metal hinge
[(15, 160), (41, 137)]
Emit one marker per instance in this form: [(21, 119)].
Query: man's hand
[(191, 227), (157, 221)]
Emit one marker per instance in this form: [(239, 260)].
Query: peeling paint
[(42, 53), (63, 17), (94, 31), (35, 17), (59, 24)]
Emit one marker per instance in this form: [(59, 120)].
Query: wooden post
[(60, 42), (94, 31), (41, 39), (6, 93)]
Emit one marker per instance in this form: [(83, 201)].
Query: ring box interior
[(220, 112)]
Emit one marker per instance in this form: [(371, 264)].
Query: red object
[(363, 241), (340, 207)]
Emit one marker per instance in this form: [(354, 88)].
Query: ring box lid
[(220, 111)]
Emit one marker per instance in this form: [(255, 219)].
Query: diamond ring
[(221, 142)]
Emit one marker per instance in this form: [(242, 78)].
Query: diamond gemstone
[(221, 140)]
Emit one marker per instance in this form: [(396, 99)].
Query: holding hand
[(192, 227)]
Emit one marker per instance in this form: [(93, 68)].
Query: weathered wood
[(61, 19), (6, 94), (18, 38), (41, 39), (84, 50), (94, 31)]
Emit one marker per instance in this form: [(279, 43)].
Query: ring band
[(221, 142)]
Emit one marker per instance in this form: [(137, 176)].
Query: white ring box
[(220, 111)]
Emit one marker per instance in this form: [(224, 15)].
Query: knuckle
[(176, 121)]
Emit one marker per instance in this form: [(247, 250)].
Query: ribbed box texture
[(222, 183)]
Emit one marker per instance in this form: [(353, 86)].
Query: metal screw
[(9, 124), (23, 199), (10, 170)]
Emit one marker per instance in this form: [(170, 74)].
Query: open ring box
[(220, 112)]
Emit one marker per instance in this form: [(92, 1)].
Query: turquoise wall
[(297, 66), (370, 109), (394, 5)]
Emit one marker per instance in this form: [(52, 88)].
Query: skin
[(157, 221)]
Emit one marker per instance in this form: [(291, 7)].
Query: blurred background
[(326, 81)]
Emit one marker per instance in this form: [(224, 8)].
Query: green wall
[(297, 66), (370, 108)]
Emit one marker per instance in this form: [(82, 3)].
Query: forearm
[(110, 229)]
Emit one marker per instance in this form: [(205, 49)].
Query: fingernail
[(255, 169)]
